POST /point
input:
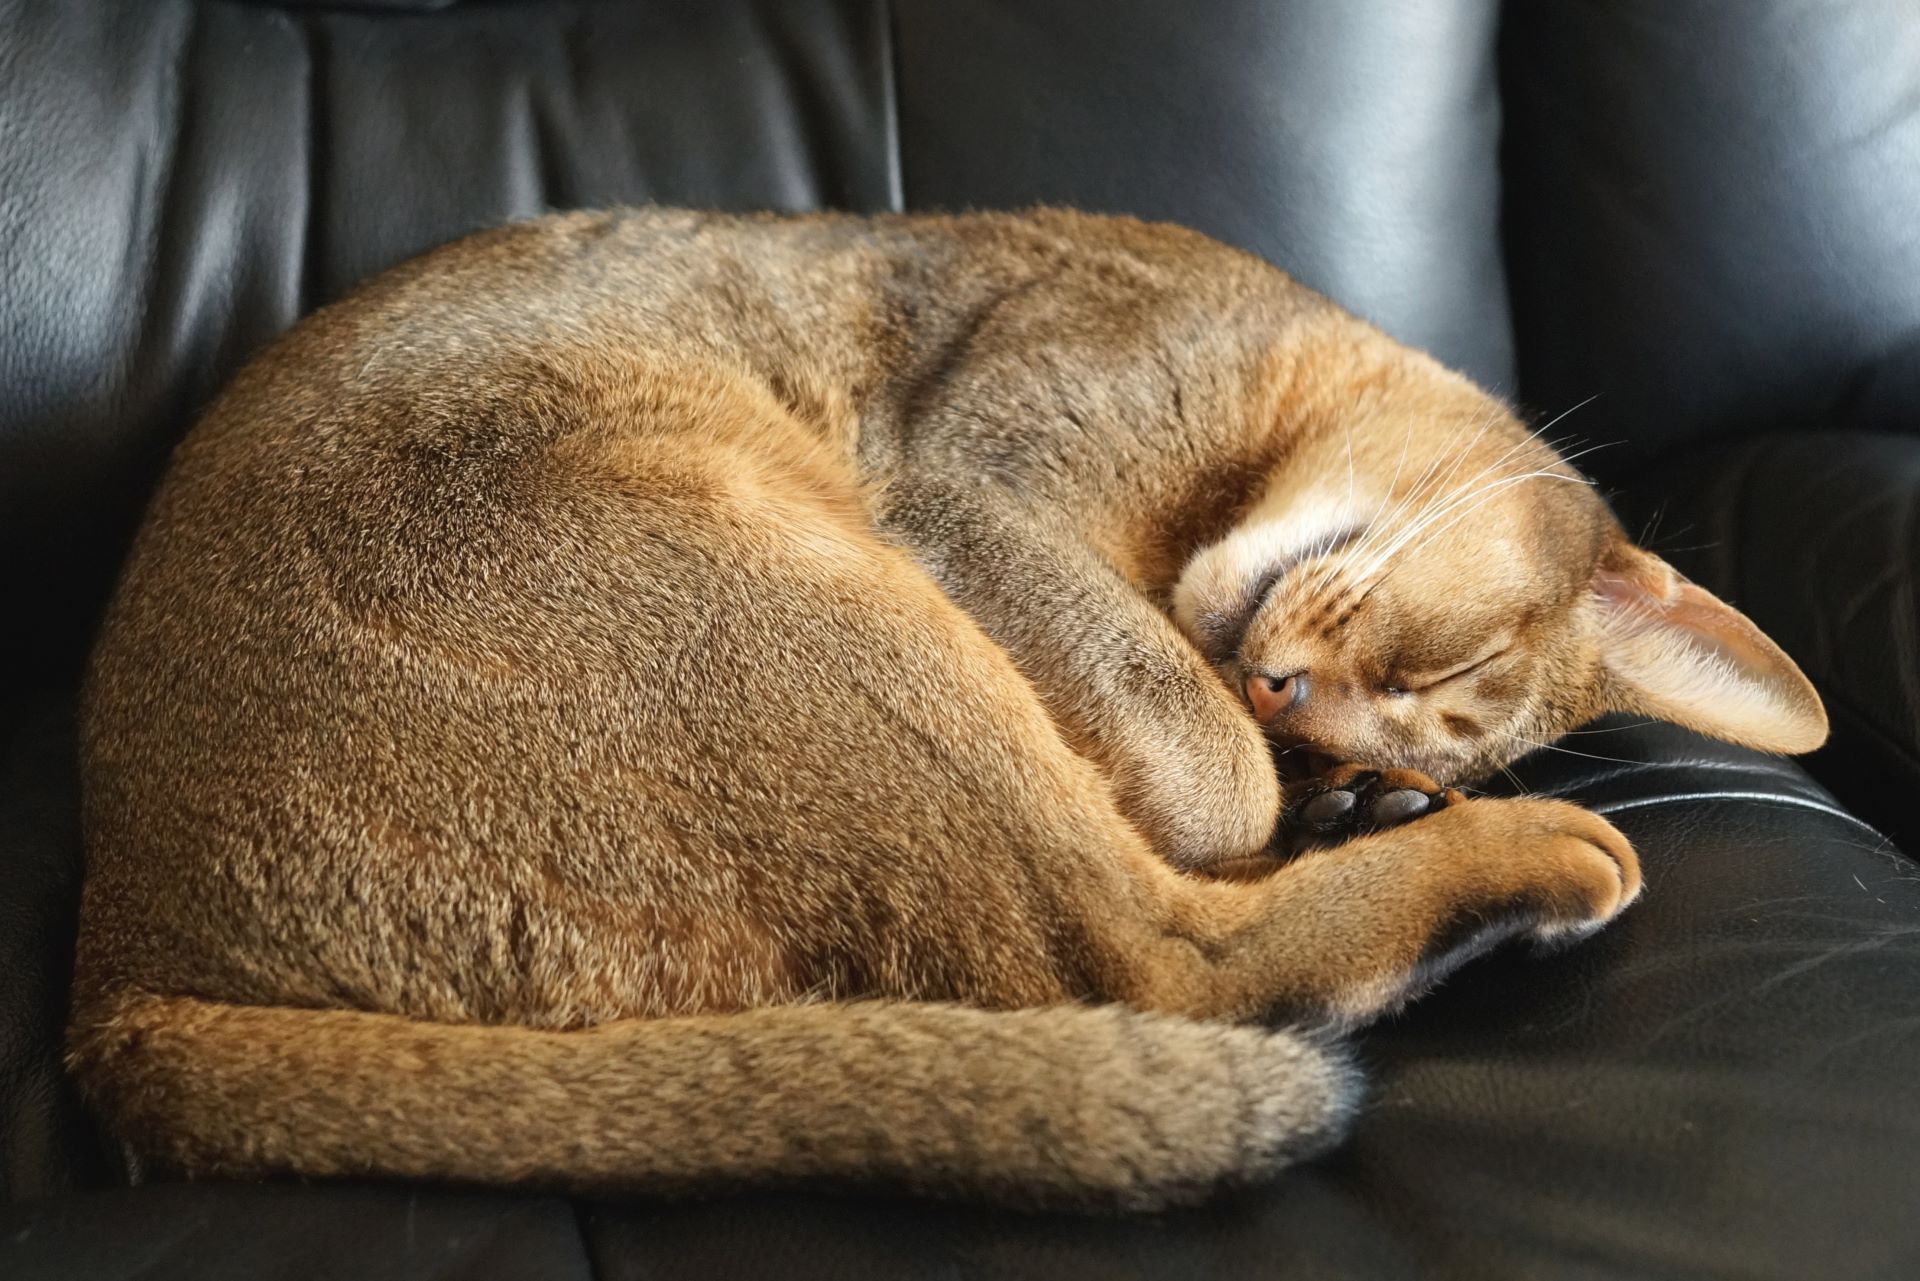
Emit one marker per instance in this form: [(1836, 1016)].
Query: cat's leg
[(1189, 766), (1344, 935), (797, 768), (903, 816), (900, 815)]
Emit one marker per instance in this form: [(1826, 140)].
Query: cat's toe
[(1398, 806), (1330, 809), (1350, 799)]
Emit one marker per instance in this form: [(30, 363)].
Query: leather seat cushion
[(1718, 1084)]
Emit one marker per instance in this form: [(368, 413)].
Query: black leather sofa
[(1704, 214)]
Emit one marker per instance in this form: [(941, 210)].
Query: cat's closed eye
[(1404, 685)]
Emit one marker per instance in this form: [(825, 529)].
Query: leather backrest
[(1348, 141), (1714, 215), (183, 179)]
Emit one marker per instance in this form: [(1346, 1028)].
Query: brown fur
[(637, 700)]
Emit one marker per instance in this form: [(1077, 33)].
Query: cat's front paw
[(1537, 869), (1349, 800), (1208, 802), (1481, 873)]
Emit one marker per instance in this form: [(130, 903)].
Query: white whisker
[(1435, 502), (1568, 751), (1452, 513), (1383, 522), (1456, 495), (1611, 729), (1549, 425), (1383, 526)]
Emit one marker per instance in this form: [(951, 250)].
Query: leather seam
[(314, 43), (896, 149), (578, 1212)]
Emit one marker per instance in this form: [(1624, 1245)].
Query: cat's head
[(1446, 594)]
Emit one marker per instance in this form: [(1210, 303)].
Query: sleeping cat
[(658, 701)]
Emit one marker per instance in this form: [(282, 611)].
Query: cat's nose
[(1270, 696)]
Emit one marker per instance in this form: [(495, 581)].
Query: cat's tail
[(1064, 1106)]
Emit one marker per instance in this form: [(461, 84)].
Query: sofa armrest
[(1815, 536)]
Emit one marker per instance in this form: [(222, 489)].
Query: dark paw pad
[(1351, 800)]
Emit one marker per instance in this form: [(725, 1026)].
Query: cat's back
[(457, 529)]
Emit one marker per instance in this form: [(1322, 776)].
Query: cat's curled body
[(663, 701)]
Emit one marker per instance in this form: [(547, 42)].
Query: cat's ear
[(1675, 651)]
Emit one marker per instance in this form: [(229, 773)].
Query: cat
[(662, 702)]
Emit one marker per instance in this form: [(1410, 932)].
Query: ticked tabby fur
[(664, 702)]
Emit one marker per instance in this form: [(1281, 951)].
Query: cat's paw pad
[(1350, 799)]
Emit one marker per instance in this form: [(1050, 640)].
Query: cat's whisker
[(1552, 422), (1457, 458), (1610, 729), (1413, 528), (1384, 526), (1437, 500), (1406, 447), (1566, 751), (1434, 481), (1383, 519), (1350, 467), (1533, 435), (1490, 469), (1451, 513), (1458, 511), (1320, 554), (1417, 492), (1582, 453), (1442, 488)]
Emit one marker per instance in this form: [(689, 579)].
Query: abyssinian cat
[(661, 701)]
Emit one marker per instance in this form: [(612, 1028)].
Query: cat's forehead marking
[(1339, 623), (1309, 523), (1223, 579)]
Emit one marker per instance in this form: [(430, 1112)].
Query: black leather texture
[(1699, 211), (1355, 144), (1710, 215), (1816, 535)]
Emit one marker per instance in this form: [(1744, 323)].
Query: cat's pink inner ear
[(1674, 650), (1703, 618)]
